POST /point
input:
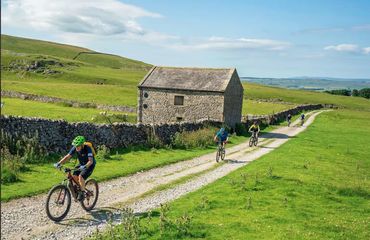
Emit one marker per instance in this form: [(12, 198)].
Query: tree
[(355, 93), (365, 92)]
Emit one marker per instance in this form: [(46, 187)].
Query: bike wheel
[(218, 155), (251, 141), (92, 193), (58, 203), (255, 141), (223, 154)]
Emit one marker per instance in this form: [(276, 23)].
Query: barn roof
[(197, 79)]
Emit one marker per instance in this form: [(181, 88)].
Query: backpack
[(92, 147)]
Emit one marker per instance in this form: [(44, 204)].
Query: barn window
[(179, 119), (179, 100), (145, 106), (146, 95)]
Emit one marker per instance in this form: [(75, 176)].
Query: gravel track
[(25, 218)]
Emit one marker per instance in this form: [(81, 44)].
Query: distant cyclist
[(289, 119), (254, 129), (302, 118), (86, 162), (222, 136)]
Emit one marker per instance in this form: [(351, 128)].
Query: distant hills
[(311, 83)]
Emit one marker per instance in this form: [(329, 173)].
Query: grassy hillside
[(316, 186), (80, 74), (32, 46)]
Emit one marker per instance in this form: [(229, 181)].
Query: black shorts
[(85, 173)]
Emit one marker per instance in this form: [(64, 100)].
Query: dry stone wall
[(47, 99), (56, 135)]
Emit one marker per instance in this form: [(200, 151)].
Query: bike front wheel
[(58, 203), (255, 141), (222, 154), (251, 141), (92, 193)]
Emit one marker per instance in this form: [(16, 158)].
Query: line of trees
[(365, 92)]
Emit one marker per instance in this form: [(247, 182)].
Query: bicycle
[(220, 152), (302, 121), (253, 140), (289, 122), (58, 201)]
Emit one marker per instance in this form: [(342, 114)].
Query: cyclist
[(221, 136), (254, 129), (86, 162), (289, 119), (302, 119)]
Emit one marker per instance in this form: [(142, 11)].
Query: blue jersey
[(83, 155), (222, 136)]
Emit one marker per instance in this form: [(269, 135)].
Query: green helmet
[(79, 140)]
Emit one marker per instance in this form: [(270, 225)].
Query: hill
[(80, 74)]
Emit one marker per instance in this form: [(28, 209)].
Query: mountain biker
[(86, 162), (289, 118), (255, 129), (302, 118), (221, 136)]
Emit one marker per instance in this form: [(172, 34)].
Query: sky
[(266, 38)]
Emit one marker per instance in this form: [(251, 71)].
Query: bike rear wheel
[(58, 203), (92, 193)]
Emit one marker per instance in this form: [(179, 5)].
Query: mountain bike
[(302, 121), (289, 122), (253, 140), (58, 201), (220, 151)]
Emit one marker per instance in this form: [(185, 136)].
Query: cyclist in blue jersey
[(222, 136), (86, 162)]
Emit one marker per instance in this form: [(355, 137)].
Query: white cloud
[(343, 48), (96, 17), (350, 48), (229, 43), (366, 50)]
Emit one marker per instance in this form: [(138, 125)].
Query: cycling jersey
[(254, 128), (222, 136), (83, 155)]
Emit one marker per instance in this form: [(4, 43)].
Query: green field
[(122, 163), (316, 186), (19, 107)]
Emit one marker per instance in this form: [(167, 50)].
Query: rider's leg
[(81, 180)]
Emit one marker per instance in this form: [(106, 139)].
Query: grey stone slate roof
[(198, 79)]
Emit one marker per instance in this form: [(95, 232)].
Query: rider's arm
[(250, 128), (65, 159), (258, 127), (90, 156), (215, 138), (89, 162)]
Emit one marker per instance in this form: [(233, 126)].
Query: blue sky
[(267, 38)]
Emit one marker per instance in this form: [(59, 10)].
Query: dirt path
[(26, 218)]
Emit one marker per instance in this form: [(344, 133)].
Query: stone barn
[(173, 94)]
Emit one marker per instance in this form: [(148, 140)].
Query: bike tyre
[(68, 195), (255, 142), (96, 186), (251, 141), (223, 154)]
